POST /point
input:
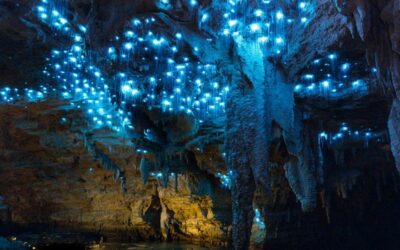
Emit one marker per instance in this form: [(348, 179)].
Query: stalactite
[(240, 136), (301, 170), (106, 162), (176, 182), (394, 131), (165, 175), (145, 168)]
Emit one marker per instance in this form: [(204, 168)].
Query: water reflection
[(157, 246)]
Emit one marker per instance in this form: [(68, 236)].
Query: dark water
[(156, 246)]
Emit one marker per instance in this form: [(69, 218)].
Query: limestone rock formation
[(49, 178)]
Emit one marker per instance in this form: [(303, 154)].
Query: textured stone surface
[(49, 178), (394, 131)]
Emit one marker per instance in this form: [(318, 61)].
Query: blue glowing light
[(279, 40), (279, 15), (232, 23), (255, 27), (258, 12), (325, 84), (128, 46), (263, 39), (204, 17), (175, 81), (332, 56), (63, 20), (258, 220)]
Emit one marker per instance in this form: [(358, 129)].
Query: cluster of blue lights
[(77, 78), (159, 71), (52, 12), (258, 219), (330, 77), (159, 175), (225, 179), (82, 84), (265, 22), (345, 134), (164, 178), (10, 95), (154, 70)]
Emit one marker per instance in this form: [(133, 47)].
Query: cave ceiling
[(219, 83)]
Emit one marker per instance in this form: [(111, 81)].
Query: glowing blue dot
[(325, 84), (323, 135), (82, 28), (332, 56), (279, 40), (125, 88), (263, 39), (309, 76), (55, 13), (128, 46), (356, 83), (136, 22), (135, 92), (232, 23), (111, 50), (255, 27), (204, 17), (258, 12), (63, 20), (298, 87), (345, 66), (129, 34), (77, 49), (77, 38), (279, 15), (158, 42)]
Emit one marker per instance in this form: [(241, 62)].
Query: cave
[(200, 124)]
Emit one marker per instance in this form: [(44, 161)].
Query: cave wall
[(261, 110), (49, 181), (394, 131)]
